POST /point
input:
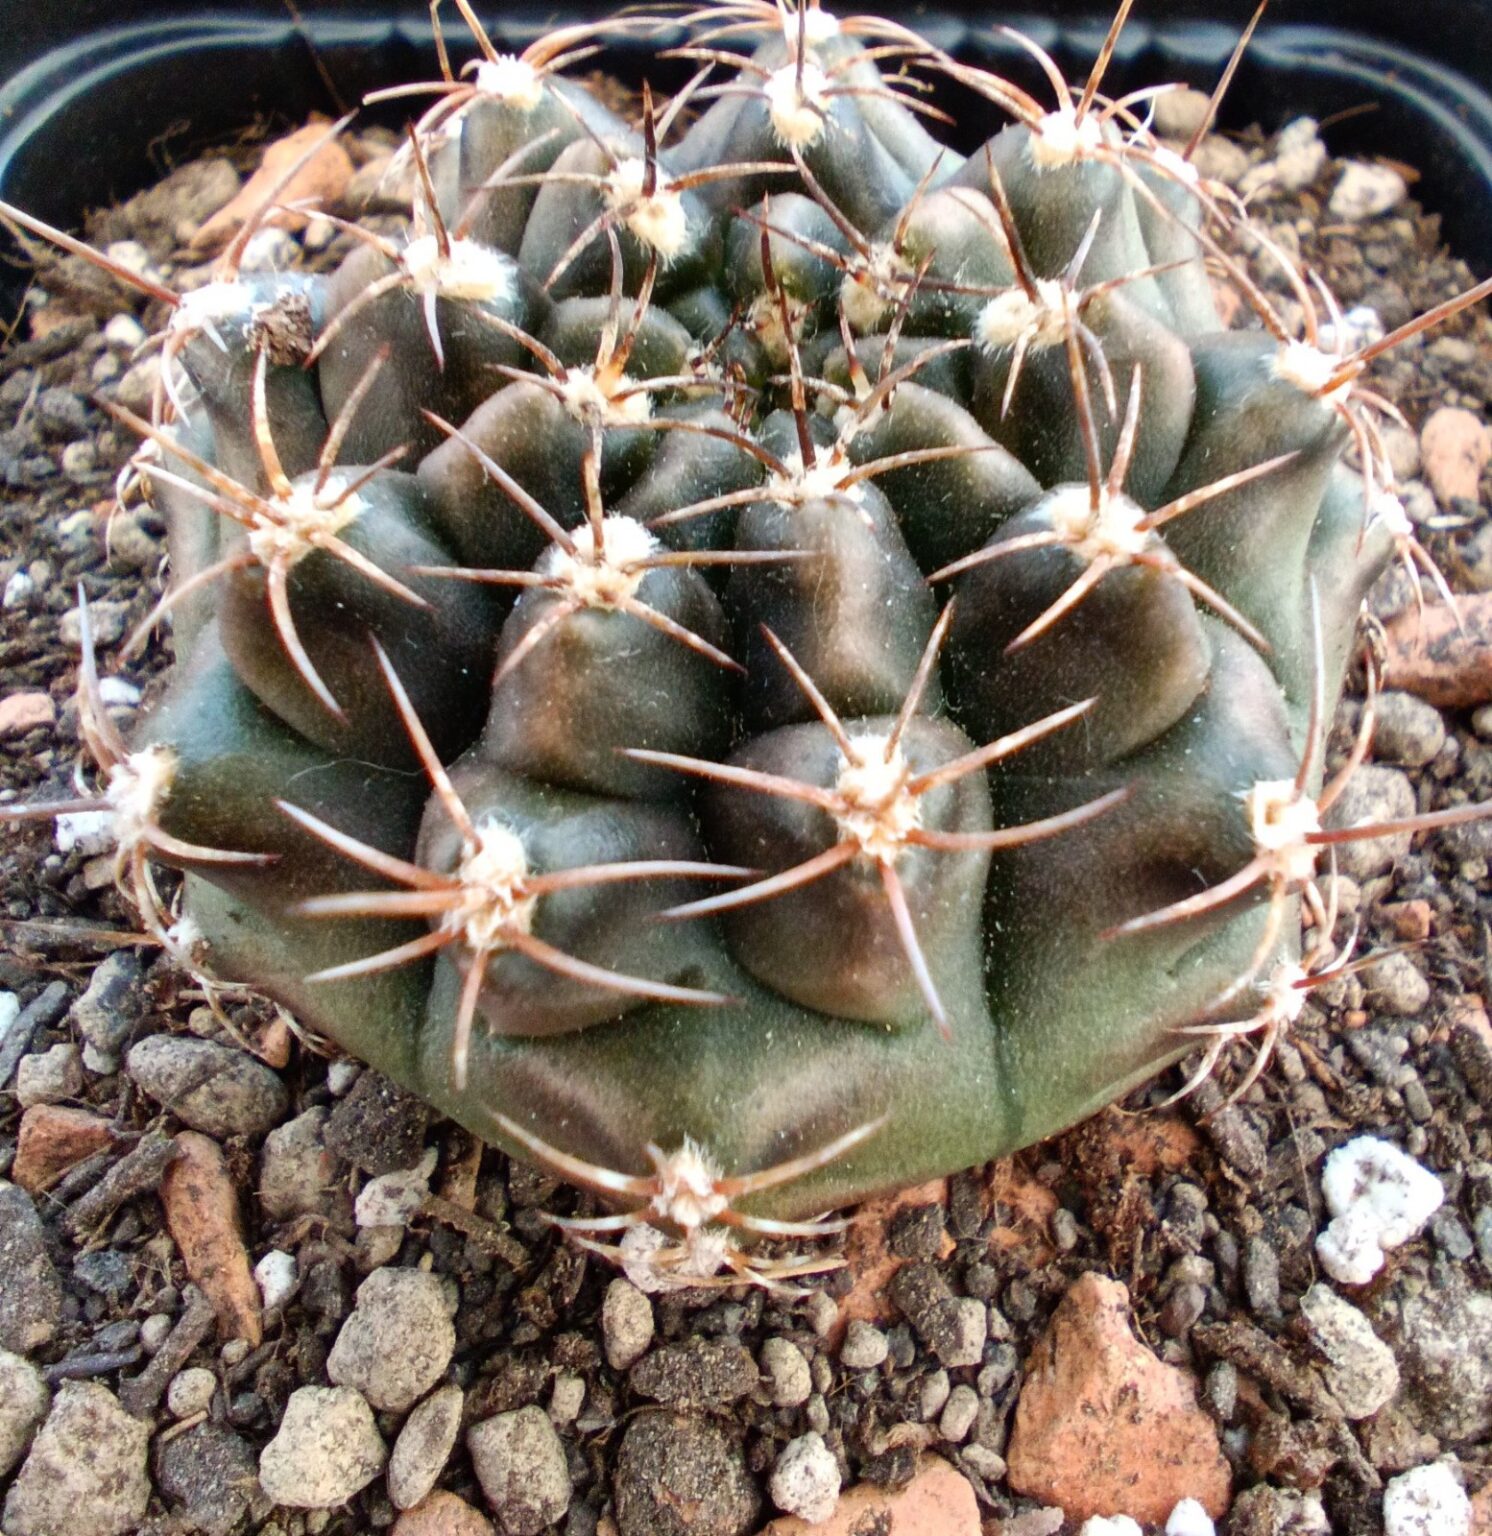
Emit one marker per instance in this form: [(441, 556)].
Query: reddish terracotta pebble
[(937, 1502), (53, 1138)]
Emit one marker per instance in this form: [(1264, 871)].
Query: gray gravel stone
[(297, 1172), (934, 1394), (1360, 1369), (23, 1405), (805, 1481), (30, 1291), (1395, 985), (326, 1448), (864, 1346), (1373, 794), (1409, 732), (207, 1475), (398, 1341), (521, 1466), (50, 1076), (677, 1475), (212, 1088), (959, 1413), (86, 1471), (626, 1324), (424, 1446), (1441, 1331), (191, 1391), (789, 1380)]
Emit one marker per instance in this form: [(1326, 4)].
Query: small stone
[(1407, 730), (213, 1088), (1455, 447), (277, 1277), (22, 713), (1426, 1502), (1442, 656), (626, 1324), (1179, 114), (47, 1077), (1379, 1198), (107, 617), (677, 1475), (1373, 794), (566, 1399), (442, 1514), (398, 1341), (959, 1413), (137, 389), (1299, 158), (23, 1405), (326, 1449), (208, 1475), (521, 1466), (191, 1391), (30, 1291), (1190, 1519), (805, 1481), (1109, 1525), (60, 415), (424, 1446), (788, 1379), (864, 1348), (1360, 1370), (155, 1330), (79, 462), (1396, 986), (392, 1199), (86, 1470), (1366, 192), (113, 1003), (52, 1140), (696, 1372), (1441, 1335), (934, 1394), (938, 1501), (321, 178), (1069, 1447), (297, 1173), (125, 332)]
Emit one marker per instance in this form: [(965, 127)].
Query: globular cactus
[(755, 659)]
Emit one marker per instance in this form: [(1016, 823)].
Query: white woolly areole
[(819, 483), (1380, 1198), (606, 579), (879, 811), (797, 107), (471, 270), (590, 400), (864, 291), (658, 220), (492, 876), (1285, 993), (1060, 139), (1169, 163), (818, 25), (136, 789), (1112, 529), (1388, 510), (304, 512), (1311, 371), (764, 321), (1280, 820), (1427, 1501), (1013, 315), (511, 80), (688, 1194)]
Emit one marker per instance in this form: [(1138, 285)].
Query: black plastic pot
[(100, 104)]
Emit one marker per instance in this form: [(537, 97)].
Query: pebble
[(113, 1003), (1109, 1525), (1449, 664), (323, 177), (1190, 1519), (934, 1394), (954, 1328), (1426, 1502), (1070, 1447), (1396, 986), (19, 591), (391, 1199), (23, 1405), (212, 1088), (959, 1413), (1379, 1198), (22, 713), (1455, 447), (864, 1346), (398, 1341), (125, 332), (1298, 159), (297, 1173), (155, 1330), (566, 1399), (48, 1077), (191, 1391), (805, 1480), (1407, 731), (208, 1475), (30, 1290), (938, 1501), (1373, 794), (520, 1463), (1441, 1333), (326, 1449), (86, 1469), (679, 1475), (277, 1277), (789, 1381), (1359, 1369), (696, 1372), (424, 1446), (626, 1324), (107, 617), (1178, 114), (442, 1514), (1366, 191)]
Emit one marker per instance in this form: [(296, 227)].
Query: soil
[(1207, 1213)]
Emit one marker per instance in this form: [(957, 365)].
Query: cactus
[(756, 660)]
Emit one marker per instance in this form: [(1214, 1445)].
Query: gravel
[(212, 1088), (626, 1324), (680, 1475), (520, 1463), (805, 1481), (24, 1400), (424, 1446), (30, 1290), (398, 1341), (326, 1449), (1360, 1370)]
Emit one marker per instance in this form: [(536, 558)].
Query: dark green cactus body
[(777, 708)]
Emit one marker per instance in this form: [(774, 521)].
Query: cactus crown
[(757, 496)]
